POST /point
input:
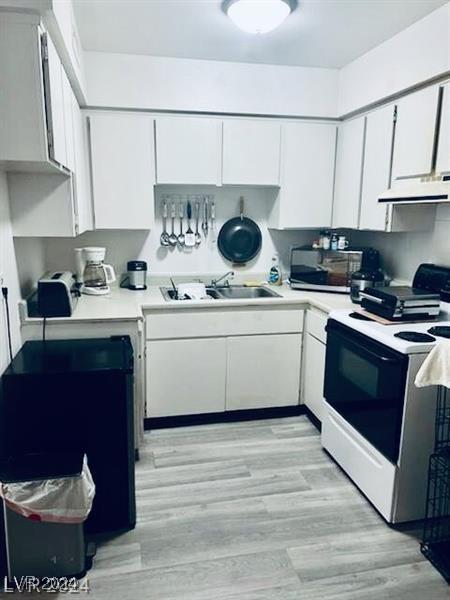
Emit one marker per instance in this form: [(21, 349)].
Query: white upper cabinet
[(23, 134), (123, 170), (188, 150), (415, 133), (251, 152), (82, 181), (68, 99), (54, 102), (443, 154), (35, 112), (306, 176), (42, 205), (377, 167), (348, 173)]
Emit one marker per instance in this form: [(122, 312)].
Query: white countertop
[(128, 305)]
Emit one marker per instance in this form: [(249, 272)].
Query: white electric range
[(376, 424)]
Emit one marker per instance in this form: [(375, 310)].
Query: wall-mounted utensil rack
[(187, 220)]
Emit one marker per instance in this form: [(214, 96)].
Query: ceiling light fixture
[(258, 16)]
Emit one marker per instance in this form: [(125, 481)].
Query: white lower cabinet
[(263, 371), (185, 376), (208, 361), (314, 375), (314, 351)]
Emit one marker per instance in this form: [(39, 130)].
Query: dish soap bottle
[(275, 277)]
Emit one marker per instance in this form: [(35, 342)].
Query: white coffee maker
[(91, 272)]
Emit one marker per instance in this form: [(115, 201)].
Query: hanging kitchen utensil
[(189, 238), (173, 238), (240, 238), (213, 235), (164, 238), (205, 216), (198, 237), (181, 234)]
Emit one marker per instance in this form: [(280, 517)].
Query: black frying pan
[(239, 238)]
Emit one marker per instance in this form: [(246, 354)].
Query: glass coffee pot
[(94, 273)]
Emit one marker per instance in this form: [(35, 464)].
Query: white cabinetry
[(377, 167), (185, 376), (42, 205), (201, 361), (81, 176), (443, 154), (188, 150), (313, 374), (415, 133), (54, 102), (251, 152), (123, 170), (23, 134), (48, 205), (349, 162), (263, 371), (306, 176)]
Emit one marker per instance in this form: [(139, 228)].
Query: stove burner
[(359, 316), (440, 330), (415, 336)]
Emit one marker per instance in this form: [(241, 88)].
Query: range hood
[(418, 191)]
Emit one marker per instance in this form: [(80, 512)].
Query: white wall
[(416, 54), (150, 82), (127, 245), (24, 256), (403, 252), (8, 271)]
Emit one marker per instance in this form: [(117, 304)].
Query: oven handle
[(379, 357)]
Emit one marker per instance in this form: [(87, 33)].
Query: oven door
[(365, 384)]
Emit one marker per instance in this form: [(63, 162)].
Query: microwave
[(328, 270)]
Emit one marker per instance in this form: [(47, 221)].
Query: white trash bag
[(62, 500)]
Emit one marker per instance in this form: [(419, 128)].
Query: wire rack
[(436, 533)]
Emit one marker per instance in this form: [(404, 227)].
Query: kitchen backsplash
[(206, 259), (401, 252)]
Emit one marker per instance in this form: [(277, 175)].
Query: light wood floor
[(255, 511)]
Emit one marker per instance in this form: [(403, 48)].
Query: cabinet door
[(188, 150), (348, 173), (377, 167), (307, 173), (251, 152), (23, 133), (313, 374), (54, 99), (195, 381), (68, 98), (414, 133), (123, 171), (82, 186), (42, 205), (263, 371), (443, 155)]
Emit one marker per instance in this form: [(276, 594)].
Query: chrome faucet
[(214, 282)]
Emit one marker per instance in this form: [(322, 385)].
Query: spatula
[(189, 238)]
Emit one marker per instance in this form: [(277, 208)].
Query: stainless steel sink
[(241, 291), (170, 294), (226, 293)]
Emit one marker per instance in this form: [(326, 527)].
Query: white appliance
[(376, 424), (92, 273)]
